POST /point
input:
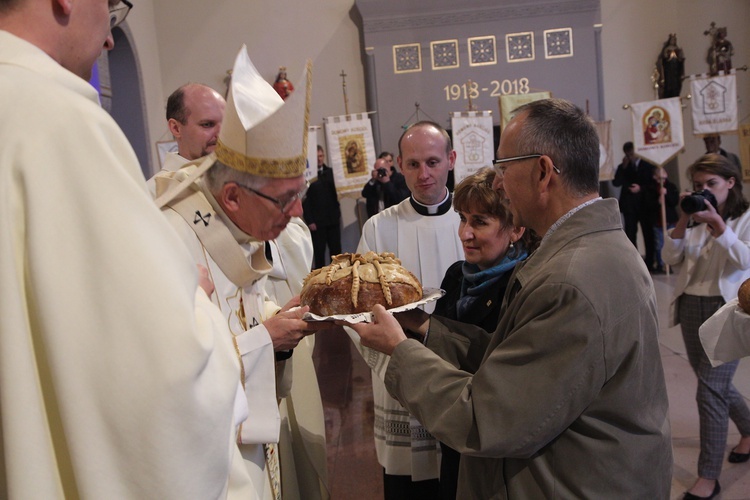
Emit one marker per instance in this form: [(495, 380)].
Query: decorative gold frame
[(507, 46), (396, 70), (482, 38), (432, 54), (546, 47)]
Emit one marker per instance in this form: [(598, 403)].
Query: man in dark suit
[(386, 188), (323, 213), (636, 176), (713, 145)]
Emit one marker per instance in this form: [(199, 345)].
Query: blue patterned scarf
[(476, 282)]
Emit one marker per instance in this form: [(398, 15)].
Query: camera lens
[(693, 203), (696, 202)]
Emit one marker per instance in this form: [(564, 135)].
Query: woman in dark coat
[(475, 287)]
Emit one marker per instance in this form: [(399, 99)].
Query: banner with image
[(510, 102), (472, 141), (657, 129), (714, 103), (311, 169), (606, 155), (351, 151)]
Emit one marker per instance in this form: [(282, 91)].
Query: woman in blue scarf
[(475, 287)]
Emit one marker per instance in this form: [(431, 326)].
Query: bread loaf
[(743, 295), (354, 283)]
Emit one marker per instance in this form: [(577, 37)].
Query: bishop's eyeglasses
[(284, 204)]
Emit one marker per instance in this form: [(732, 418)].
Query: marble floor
[(347, 399)]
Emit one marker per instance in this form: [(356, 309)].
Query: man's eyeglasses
[(284, 204), (500, 166), (118, 12)]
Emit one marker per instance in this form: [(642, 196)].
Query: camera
[(382, 172), (695, 202)]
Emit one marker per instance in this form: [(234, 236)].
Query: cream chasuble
[(114, 382)]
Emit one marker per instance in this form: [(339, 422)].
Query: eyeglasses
[(284, 204), (119, 12), (500, 168)]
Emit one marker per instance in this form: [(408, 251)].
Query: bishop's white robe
[(113, 380), (426, 246), (245, 309), (302, 442), (172, 163)]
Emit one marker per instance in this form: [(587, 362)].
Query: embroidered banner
[(351, 152), (510, 102), (472, 141), (311, 169), (606, 156), (714, 103), (745, 151), (657, 129)]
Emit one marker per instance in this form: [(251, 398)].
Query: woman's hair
[(475, 194), (716, 164)]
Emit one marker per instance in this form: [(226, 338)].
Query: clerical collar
[(438, 209)]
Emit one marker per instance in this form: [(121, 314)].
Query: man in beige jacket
[(567, 397)]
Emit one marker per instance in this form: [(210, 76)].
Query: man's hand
[(634, 188), (383, 334), (287, 328), (312, 226)]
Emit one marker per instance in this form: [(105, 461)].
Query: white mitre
[(261, 133)]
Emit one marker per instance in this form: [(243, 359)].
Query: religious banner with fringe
[(606, 155), (657, 129), (311, 169), (472, 141), (509, 102), (714, 103), (351, 151)]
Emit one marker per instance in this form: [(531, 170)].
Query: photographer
[(387, 187), (715, 255)]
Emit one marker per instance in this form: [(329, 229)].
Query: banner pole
[(662, 202), (343, 86)]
